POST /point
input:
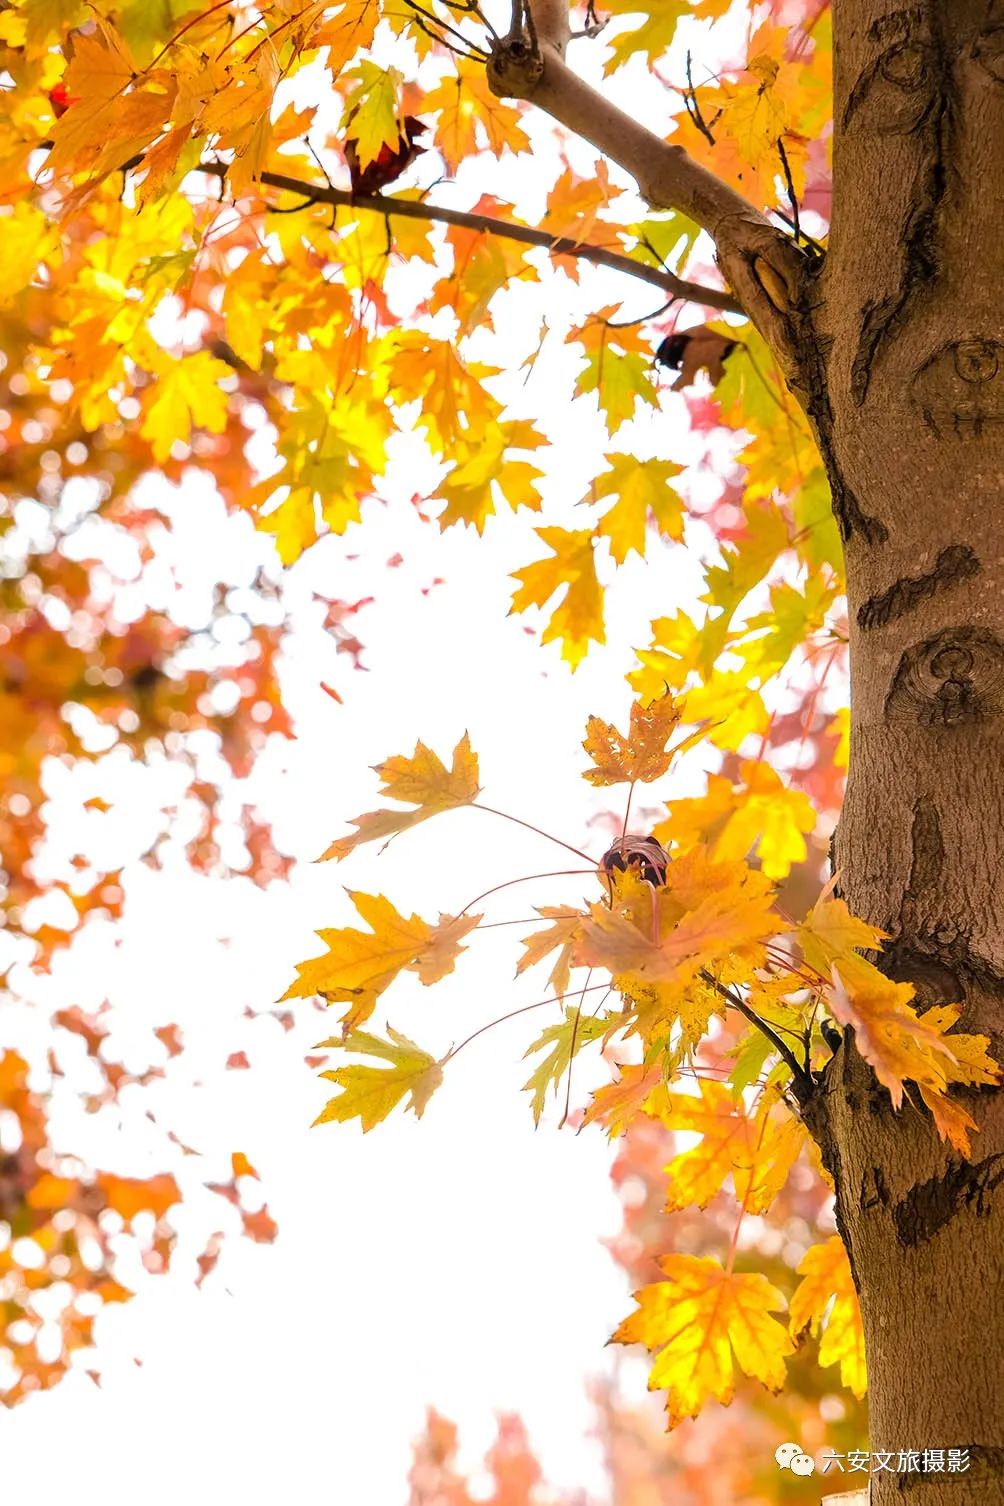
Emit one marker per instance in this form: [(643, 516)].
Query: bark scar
[(917, 100), (930, 1206), (956, 563)]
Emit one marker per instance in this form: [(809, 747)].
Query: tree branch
[(557, 245), (550, 19), (666, 176), (802, 1080), (764, 268)]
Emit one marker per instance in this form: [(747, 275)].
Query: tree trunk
[(901, 366)]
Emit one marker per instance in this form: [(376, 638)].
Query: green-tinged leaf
[(369, 1093), (562, 1042)]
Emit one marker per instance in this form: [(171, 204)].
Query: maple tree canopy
[(260, 241)]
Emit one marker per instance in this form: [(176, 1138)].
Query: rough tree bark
[(894, 344)]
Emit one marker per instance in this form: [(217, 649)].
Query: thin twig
[(554, 999), (475, 805), (692, 107), (740, 1005), (793, 201)]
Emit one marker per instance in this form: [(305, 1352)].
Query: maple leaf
[(348, 31), (757, 814), (565, 1040), (577, 620), (573, 206), (186, 394), (970, 1063), (359, 965), (704, 1321), (27, 240), (697, 925), (617, 368), (372, 112), (756, 1152), (825, 1300), (562, 936), (466, 108), (370, 1093), (641, 754), (617, 1103), (899, 1045), (643, 492), (421, 780), (830, 933), (438, 957), (482, 473)]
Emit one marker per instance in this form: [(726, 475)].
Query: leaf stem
[(558, 873), (554, 999), (475, 805)]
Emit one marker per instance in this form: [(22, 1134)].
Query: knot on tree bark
[(514, 68)]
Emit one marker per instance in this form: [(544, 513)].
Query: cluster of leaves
[(702, 941)]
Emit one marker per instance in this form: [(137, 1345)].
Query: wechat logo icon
[(790, 1456)]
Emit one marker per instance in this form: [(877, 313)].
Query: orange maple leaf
[(705, 1320), (421, 780), (641, 754)]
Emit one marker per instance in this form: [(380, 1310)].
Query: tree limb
[(764, 268), (563, 245), (666, 176)]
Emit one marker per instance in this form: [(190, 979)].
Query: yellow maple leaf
[(372, 117), (27, 240), (577, 620), (703, 1321), (560, 936), (830, 933), (369, 1093), (482, 473), (756, 814), (704, 912), (454, 399), (359, 965), (641, 754), (887, 1032), (348, 31), (421, 780), (618, 368), (757, 1151), (643, 492), (825, 1299), (733, 709), (616, 1104), (467, 111), (969, 1064), (573, 205), (185, 395), (561, 1042), (439, 955)]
